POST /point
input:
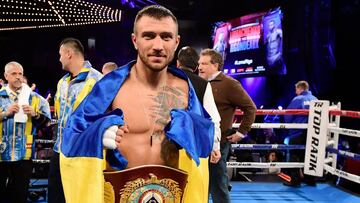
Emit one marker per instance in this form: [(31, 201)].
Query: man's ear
[(134, 41), (69, 53), (177, 42)]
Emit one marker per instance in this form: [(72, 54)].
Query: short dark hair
[(188, 58), (154, 11), (303, 85), (215, 56), (74, 44)]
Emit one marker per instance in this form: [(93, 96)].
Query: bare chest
[(148, 110)]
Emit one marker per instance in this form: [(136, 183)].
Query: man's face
[(272, 156), (105, 70), (298, 90), (271, 25), (64, 53), (206, 68), (156, 41), (14, 77)]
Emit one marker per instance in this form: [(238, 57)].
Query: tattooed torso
[(147, 112)]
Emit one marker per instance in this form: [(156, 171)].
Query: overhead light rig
[(30, 14)]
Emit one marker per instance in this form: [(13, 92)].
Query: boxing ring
[(321, 155)]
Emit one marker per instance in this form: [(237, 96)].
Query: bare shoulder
[(178, 83), (177, 87)]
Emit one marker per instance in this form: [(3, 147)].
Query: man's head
[(108, 67), (271, 25), (155, 37), (188, 58), (13, 73), (301, 86), (71, 51), (210, 62)]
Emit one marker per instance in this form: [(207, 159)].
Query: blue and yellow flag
[(81, 158)]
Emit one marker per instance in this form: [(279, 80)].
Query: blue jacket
[(16, 139), (301, 101), (69, 95)]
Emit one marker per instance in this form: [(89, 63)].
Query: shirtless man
[(152, 93), (150, 96)]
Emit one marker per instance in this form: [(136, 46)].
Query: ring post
[(316, 138), (335, 135)]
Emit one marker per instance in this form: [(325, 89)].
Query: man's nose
[(158, 43)]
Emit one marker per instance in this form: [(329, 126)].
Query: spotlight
[(132, 4), (123, 2)]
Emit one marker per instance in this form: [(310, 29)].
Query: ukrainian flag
[(81, 158)]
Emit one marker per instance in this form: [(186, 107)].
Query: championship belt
[(143, 184)]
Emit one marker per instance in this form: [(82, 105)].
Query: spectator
[(298, 136), (21, 112), (228, 94), (108, 67), (71, 90)]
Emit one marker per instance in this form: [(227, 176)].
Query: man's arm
[(294, 104), (210, 107), (42, 114), (240, 98)]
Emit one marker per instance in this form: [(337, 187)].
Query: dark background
[(320, 44)]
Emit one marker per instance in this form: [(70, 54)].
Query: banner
[(316, 138)]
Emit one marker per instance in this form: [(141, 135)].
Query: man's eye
[(168, 38)]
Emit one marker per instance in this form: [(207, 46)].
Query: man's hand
[(121, 131), (113, 135), (48, 97), (215, 156), (13, 108), (29, 110), (33, 87), (236, 137)]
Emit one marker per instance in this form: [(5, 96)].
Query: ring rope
[(334, 112), (266, 146), (265, 165), (342, 174), (304, 112), (275, 125), (41, 161), (345, 131), (344, 153), (351, 114), (332, 128), (43, 141)]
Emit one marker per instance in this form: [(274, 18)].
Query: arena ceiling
[(31, 14)]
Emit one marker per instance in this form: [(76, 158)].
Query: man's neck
[(213, 75), (76, 68), (148, 77), (14, 89)]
